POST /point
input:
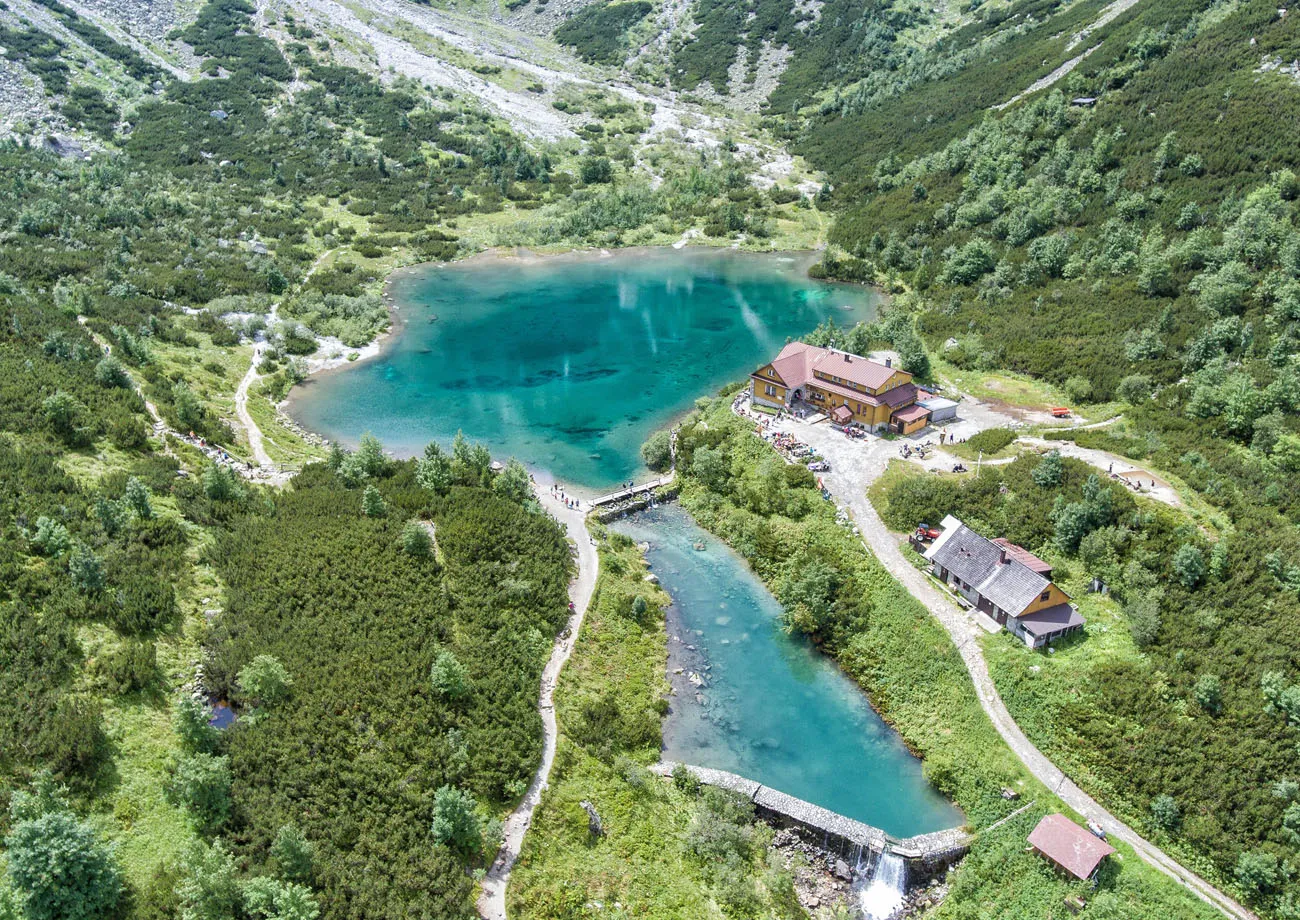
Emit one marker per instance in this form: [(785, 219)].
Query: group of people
[(557, 492)]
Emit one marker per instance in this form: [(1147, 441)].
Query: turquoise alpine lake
[(569, 363), (767, 705)]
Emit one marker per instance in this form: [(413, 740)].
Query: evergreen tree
[(433, 471), (372, 503), (59, 870), (455, 822), (208, 889), (514, 483), (292, 853), (136, 497), (1049, 471), (448, 676)]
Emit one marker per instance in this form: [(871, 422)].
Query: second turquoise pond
[(771, 707)]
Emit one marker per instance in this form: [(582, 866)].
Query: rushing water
[(773, 708), (882, 895), (570, 363)]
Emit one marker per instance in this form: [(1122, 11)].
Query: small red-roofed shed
[(1074, 849)]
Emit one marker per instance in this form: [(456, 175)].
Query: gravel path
[(1151, 486), (254, 433), (855, 465), (251, 429), (492, 900)]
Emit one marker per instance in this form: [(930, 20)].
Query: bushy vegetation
[(834, 590), (369, 634), (597, 32)]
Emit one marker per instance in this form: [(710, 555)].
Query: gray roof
[(936, 402), (978, 561), (1042, 622)]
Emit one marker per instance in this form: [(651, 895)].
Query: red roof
[(911, 414), (797, 362), (1069, 846), (841, 413), (1023, 556)]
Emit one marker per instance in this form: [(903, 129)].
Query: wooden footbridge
[(633, 491)]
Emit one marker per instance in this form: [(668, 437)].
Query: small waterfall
[(883, 895)]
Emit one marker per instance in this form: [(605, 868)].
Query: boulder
[(594, 826)]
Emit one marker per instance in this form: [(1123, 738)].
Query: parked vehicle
[(819, 466), (926, 532), (1060, 412)]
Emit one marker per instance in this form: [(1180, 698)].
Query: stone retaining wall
[(927, 854), (612, 512)]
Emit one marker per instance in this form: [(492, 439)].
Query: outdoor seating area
[(796, 451)]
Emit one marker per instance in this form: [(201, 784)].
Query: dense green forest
[(413, 673), (378, 629), (597, 32)]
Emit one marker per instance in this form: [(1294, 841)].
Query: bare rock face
[(594, 826)]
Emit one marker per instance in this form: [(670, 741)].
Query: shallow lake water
[(772, 707), (570, 363)]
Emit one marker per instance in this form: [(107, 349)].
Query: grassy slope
[(915, 678)]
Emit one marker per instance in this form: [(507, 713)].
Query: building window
[(771, 390), (1046, 594)]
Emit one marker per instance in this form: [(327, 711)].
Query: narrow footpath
[(252, 375), (492, 901)]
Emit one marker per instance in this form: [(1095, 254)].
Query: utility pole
[(978, 461)]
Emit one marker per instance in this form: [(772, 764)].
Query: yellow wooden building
[(847, 387)]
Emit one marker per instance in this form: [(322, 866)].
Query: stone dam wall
[(632, 503), (857, 843)]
